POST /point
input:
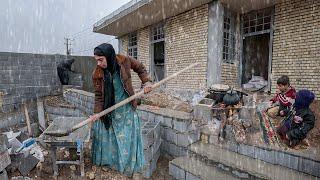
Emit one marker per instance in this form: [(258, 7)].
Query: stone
[(73, 167), (90, 175)]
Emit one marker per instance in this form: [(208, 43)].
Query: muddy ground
[(44, 170)]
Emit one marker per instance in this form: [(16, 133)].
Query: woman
[(117, 141)]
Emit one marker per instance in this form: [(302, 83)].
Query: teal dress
[(120, 147)]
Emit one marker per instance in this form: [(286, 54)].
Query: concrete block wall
[(306, 163), (24, 77), (82, 100), (151, 144), (296, 44), (178, 130), (17, 117), (187, 43)]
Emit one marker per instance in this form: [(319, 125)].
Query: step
[(190, 168), (254, 167)]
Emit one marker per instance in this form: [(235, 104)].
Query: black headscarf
[(107, 51)]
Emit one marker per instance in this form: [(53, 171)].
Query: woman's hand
[(147, 87)]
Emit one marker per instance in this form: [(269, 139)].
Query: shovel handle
[(131, 98)]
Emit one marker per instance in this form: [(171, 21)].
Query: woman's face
[(101, 61)]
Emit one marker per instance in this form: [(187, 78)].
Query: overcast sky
[(40, 26)]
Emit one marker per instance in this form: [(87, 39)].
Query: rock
[(73, 167), (90, 175)]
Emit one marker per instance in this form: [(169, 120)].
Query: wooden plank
[(27, 119), (41, 118)]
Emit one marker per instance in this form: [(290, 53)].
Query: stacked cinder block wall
[(296, 44)]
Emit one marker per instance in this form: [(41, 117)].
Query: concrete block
[(4, 160), (147, 138), (190, 176), (151, 117), (170, 135), (213, 139), (177, 151), (167, 121), (309, 166), (286, 160), (240, 175), (246, 150), (144, 115), (181, 125), (27, 164), (4, 175), (177, 172), (148, 154), (264, 155), (186, 139), (203, 110), (159, 118), (3, 143)]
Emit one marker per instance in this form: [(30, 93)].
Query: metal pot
[(231, 98)]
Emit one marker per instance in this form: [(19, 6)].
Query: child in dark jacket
[(296, 130), (284, 99)]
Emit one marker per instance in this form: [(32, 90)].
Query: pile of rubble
[(166, 100), (18, 153)]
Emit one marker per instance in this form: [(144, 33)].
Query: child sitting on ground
[(295, 130), (284, 98)]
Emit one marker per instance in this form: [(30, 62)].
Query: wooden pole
[(27, 119)]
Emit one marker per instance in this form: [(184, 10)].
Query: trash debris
[(27, 143), (197, 97), (255, 83), (21, 178)]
